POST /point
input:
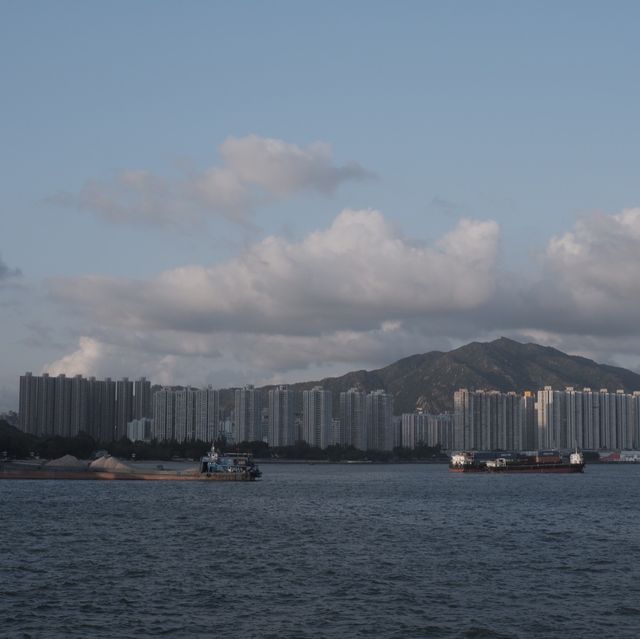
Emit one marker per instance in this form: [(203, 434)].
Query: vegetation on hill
[(428, 381)]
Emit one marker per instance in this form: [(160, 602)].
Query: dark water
[(325, 551)]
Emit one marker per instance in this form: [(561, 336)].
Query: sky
[(227, 193)]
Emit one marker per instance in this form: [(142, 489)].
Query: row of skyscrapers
[(365, 419), (482, 419), (588, 419), (66, 406), (110, 410)]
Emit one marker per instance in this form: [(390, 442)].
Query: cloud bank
[(354, 275), (252, 171), (348, 293), (597, 264), (359, 293)]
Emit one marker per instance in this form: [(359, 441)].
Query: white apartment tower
[(352, 419), (163, 414), (379, 415), (185, 414), (281, 416), (248, 414), (207, 414), (316, 416)]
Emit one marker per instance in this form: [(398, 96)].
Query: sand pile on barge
[(66, 461), (112, 465)]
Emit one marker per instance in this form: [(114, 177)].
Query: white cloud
[(283, 169), (354, 275), (350, 293), (590, 284), (359, 294), (83, 361), (597, 264), (253, 171)]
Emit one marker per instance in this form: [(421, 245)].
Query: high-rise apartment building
[(163, 415), (79, 405), (414, 429), (462, 419), (28, 407), (46, 405), (352, 419), (66, 406), (489, 420), (142, 399), (108, 410), (124, 404), (207, 414), (185, 415), (62, 410), (248, 414), (378, 419), (428, 430), (281, 416), (316, 416), (93, 408)]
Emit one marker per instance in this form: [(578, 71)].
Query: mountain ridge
[(427, 381)]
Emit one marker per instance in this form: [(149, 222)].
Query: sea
[(325, 550)]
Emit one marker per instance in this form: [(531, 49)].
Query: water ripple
[(324, 551)]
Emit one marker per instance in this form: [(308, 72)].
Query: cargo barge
[(213, 467), (540, 462)]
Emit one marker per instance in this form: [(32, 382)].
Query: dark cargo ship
[(544, 461)]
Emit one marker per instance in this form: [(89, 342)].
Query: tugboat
[(228, 466), (544, 461)]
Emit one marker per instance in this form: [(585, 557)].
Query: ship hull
[(528, 468), (539, 468), (113, 476)]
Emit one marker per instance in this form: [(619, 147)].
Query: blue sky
[(523, 115)]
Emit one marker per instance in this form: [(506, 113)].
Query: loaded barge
[(544, 461), (213, 466)]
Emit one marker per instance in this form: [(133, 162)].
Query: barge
[(540, 462), (213, 466)]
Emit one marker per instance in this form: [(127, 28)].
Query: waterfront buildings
[(105, 409), (186, 414), (552, 418), (591, 419), (491, 420), (66, 406), (427, 430)]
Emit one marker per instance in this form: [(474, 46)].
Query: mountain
[(429, 380)]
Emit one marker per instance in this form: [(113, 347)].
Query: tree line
[(16, 444)]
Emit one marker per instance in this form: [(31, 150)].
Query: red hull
[(530, 468)]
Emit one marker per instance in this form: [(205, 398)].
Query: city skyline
[(163, 219), (481, 419)]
